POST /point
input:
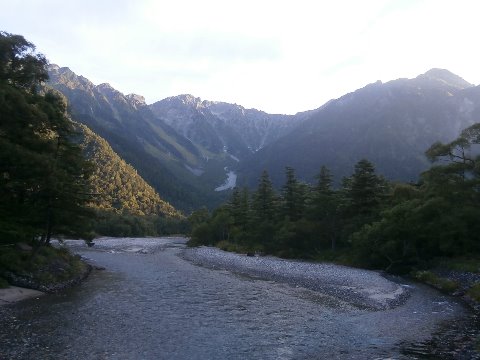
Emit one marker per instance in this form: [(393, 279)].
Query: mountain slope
[(163, 157), (118, 185), (183, 146), (219, 126), (390, 124)]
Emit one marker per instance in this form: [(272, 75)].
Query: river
[(152, 303)]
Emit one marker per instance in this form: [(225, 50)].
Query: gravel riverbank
[(362, 288)]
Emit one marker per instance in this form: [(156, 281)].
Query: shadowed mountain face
[(119, 186), (160, 155), (182, 146), (220, 126), (390, 124)]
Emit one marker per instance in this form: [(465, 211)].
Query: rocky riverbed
[(361, 288)]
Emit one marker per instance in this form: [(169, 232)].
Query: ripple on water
[(157, 306)]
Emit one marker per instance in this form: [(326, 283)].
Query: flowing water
[(156, 305)]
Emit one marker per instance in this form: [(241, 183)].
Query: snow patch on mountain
[(229, 183)]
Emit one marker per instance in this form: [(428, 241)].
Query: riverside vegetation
[(368, 221)]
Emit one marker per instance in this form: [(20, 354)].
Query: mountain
[(190, 150), (184, 147), (220, 126), (183, 173), (118, 185), (391, 124)]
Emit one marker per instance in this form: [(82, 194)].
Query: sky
[(273, 55)]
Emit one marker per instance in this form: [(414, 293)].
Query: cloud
[(278, 56)]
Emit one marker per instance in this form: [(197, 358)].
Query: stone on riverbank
[(363, 288), (13, 294)]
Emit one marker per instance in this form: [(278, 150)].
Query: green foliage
[(111, 223), (264, 202), (466, 264), (116, 184), (43, 176), (44, 265), (440, 283), (474, 292), (20, 65), (367, 222)]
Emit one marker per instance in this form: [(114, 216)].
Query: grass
[(3, 283), (236, 248), (438, 282), (474, 292), (48, 265)]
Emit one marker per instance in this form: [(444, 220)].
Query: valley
[(181, 145)]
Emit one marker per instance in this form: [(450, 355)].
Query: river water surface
[(151, 303)]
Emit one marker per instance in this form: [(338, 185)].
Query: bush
[(48, 265), (3, 283), (474, 292), (440, 283)]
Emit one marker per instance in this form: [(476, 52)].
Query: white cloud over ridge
[(277, 56)]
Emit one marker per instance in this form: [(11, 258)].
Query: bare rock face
[(222, 126), (136, 100)]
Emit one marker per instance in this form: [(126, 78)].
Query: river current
[(151, 303)]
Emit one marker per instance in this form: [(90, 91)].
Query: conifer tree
[(44, 177), (293, 196), (264, 200)]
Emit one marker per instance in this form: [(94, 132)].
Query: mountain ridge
[(199, 142), (392, 124)]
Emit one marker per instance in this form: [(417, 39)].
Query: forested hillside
[(116, 185), (182, 172)]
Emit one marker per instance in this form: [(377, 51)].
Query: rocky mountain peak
[(446, 77), (189, 100), (135, 99), (53, 67), (105, 86), (65, 76)]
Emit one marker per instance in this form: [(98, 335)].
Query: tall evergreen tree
[(324, 210), (365, 189), (263, 214), (44, 178), (240, 207), (264, 202), (293, 196)]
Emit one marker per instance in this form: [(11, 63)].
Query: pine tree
[(264, 200), (293, 196), (324, 210), (365, 188)]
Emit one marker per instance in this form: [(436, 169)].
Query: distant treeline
[(110, 223), (368, 221)]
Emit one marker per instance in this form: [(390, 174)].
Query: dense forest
[(367, 221), (124, 203)]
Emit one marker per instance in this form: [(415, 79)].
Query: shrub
[(440, 283)]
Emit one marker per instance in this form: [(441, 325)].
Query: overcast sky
[(277, 56)]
